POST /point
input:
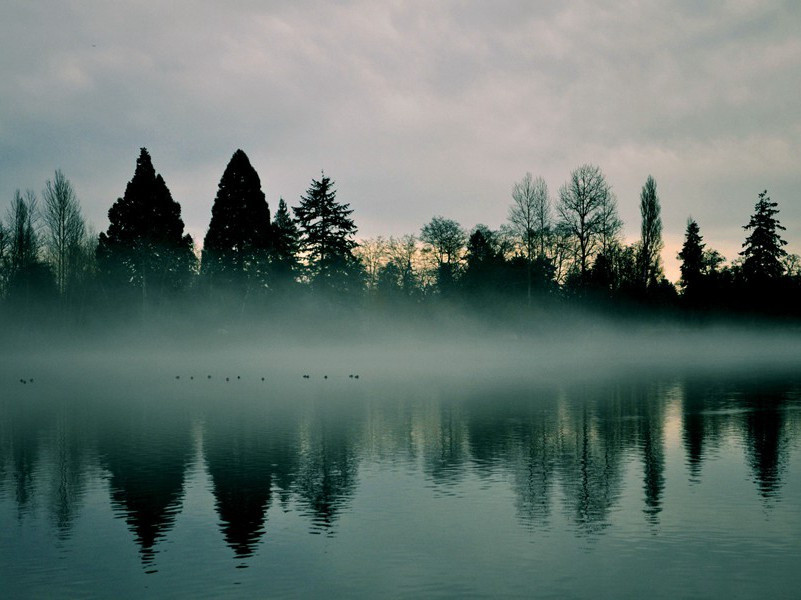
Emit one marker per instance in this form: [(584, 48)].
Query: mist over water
[(464, 459)]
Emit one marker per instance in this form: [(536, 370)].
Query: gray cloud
[(415, 108)]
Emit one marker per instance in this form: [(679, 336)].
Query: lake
[(164, 479)]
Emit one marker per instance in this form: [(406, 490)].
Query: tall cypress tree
[(145, 247), (764, 248), (327, 231), (239, 240)]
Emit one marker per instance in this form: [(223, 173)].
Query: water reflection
[(562, 451), (146, 450), (250, 458), (328, 461)]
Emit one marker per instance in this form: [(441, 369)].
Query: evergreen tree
[(692, 258), (485, 264), (239, 240), (145, 247), (326, 238), (763, 250), (286, 244)]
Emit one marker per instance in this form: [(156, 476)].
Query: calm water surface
[(676, 486)]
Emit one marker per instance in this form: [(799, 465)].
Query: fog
[(369, 349)]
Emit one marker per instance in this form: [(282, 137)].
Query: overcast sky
[(415, 109)]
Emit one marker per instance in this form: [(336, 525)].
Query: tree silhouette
[(239, 240), (485, 264), (530, 216), (286, 244), (651, 235), (581, 203), (763, 250), (29, 280), (692, 259), (145, 247), (445, 238), (65, 230), (326, 238)]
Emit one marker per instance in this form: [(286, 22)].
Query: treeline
[(551, 252)]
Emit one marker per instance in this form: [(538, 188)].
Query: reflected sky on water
[(681, 485)]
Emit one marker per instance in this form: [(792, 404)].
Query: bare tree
[(4, 260), (563, 251), (23, 217), (446, 238), (530, 216), (792, 265), (581, 202), (403, 252), (64, 229), (610, 224), (651, 234), (372, 254)]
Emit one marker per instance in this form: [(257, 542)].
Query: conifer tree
[(239, 240), (145, 246), (692, 258), (326, 238), (763, 250), (286, 244)]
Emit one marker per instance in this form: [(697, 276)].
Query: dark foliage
[(145, 248), (327, 239), (237, 246), (763, 249), (286, 245)]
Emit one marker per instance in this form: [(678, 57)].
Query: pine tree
[(145, 246), (763, 249), (326, 238), (692, 258), (237, 245), (286, 244)]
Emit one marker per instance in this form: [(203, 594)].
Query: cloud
[(415, 108)]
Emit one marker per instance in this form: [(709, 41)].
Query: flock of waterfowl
[(192, 377), (305, 376)]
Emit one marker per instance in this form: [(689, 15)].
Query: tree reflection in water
[(565, 447)]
